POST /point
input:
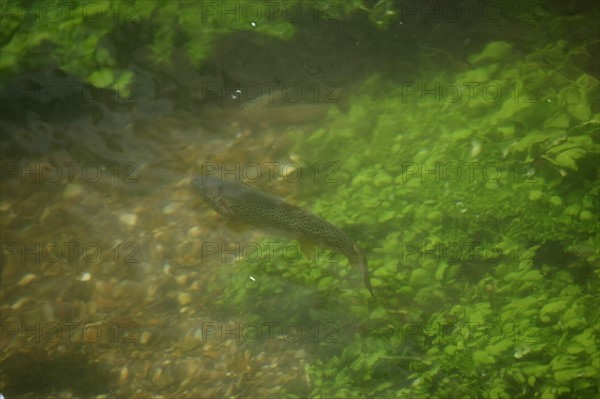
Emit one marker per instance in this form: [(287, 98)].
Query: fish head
[(214, 192)]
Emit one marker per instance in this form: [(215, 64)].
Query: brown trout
[(240, 202)]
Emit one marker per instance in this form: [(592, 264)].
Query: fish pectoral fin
[(307, 248)]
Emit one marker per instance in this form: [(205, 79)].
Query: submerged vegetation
[(37, 35), (484, 214), (476, 193)]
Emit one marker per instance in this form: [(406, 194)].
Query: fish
[(240, 202)]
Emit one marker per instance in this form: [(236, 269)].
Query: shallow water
[(114, 272)]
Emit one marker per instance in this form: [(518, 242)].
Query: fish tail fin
[(361, 262)]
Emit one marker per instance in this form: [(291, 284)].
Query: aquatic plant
[(37, 35), (479, 213), (482, 223)]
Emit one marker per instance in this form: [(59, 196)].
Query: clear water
[(117, 280)]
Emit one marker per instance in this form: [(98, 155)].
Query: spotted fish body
[(243, 203)]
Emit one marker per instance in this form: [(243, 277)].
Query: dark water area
[(118, 281)]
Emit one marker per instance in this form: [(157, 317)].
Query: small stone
[(184, 298), (128, 219), (181, 280), (73, 190), (124, 374), (21, 302), (215, 355), (28, 278), (190, 345), (170, 208), (145, 337), (195, 232)]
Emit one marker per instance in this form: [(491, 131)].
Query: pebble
[(28, 278), (128, 219), (85, 276), (124, 374), (20, 302), (195, 232), (184, 298), (5, 206), (145, 337), (156, 294), (172, 207), (72, 190)]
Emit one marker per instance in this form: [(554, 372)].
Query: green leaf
[(532, 275), (556, 200), (567, 158), (492, 51), (580, 111), (586, 338), (553, 307), (102, 78), (325, 283), (434, 216), (482, 358), (439, 274), (386, 215), (123, 86), (382, 180), (574, 348), (586, 215), (535, 369), (378, 313), (316, 272), (450, 350), (534, 195), (420, 277), (559, 121), (572, 210), (565, 375), (462, 133), (384, 386), (498, 348)]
